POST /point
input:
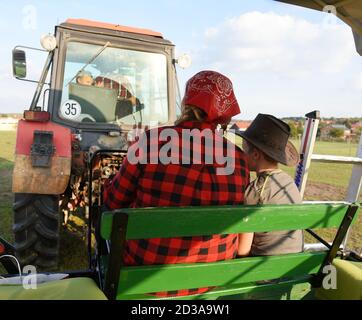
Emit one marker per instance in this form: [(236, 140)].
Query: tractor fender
[(31, 173)]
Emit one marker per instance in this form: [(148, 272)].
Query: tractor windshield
[(104, 84)]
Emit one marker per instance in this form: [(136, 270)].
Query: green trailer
[(306, 275)]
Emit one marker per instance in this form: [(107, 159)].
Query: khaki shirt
[(274, 187)]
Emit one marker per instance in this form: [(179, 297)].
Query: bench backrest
[(143, 223)]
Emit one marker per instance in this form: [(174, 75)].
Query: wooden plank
[(145, 279), (196, 221)]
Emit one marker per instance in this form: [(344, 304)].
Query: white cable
[(17, 263)]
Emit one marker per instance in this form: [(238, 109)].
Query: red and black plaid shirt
[(158, 185)]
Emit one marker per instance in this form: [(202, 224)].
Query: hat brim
[(290, 157)]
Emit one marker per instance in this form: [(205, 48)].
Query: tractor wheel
[(36, 230)]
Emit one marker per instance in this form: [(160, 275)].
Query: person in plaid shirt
[(209, 101)]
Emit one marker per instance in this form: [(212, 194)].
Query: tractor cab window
[(103, 84)]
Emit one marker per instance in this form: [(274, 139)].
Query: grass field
[(7, 146), (333, 174), (326, 182)]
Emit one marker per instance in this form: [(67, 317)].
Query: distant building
[(356, 127), (241, 125), (326, 131)]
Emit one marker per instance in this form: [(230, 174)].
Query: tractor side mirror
[(19, 64)]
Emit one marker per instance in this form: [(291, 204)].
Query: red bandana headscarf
[(213, 93)]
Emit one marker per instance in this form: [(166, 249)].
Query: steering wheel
[(84, 117)]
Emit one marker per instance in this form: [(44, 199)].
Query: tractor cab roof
[(91, 26)]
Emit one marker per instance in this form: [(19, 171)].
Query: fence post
[(354, 187)]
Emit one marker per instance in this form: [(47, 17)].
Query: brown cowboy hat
[(270, 135)]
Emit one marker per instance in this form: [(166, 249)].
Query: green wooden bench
[(238, 278)]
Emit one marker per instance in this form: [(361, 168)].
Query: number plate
[(70, 109)]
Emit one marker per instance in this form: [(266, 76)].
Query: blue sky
[(282, 59)]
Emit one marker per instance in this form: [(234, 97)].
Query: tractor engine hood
[(349, 11)]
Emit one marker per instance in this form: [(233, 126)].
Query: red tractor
[(104, 81)]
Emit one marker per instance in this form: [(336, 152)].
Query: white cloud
[(283, 44), (211, 32), (359, 82), (4, 74), (285, 65)]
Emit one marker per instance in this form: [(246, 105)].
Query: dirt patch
[(318, 191)]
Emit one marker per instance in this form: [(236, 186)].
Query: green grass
[(7, 147), (327, 181), (333, 174)]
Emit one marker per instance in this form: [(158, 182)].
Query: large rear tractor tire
[(36, 230)]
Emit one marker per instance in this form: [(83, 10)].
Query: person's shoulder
[(261, 181), (282, 175), (283, 184), (281, 178)]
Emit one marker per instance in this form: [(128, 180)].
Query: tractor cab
[(105, 78)]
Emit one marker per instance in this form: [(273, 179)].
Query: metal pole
[(354, 187), (306, 150), (41, 83)]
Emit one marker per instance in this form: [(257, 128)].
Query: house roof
[(242, 124), (339, 126), (356, 125)]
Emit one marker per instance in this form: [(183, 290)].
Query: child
[(266, 144)]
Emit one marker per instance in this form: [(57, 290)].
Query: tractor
[(105, 82)]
